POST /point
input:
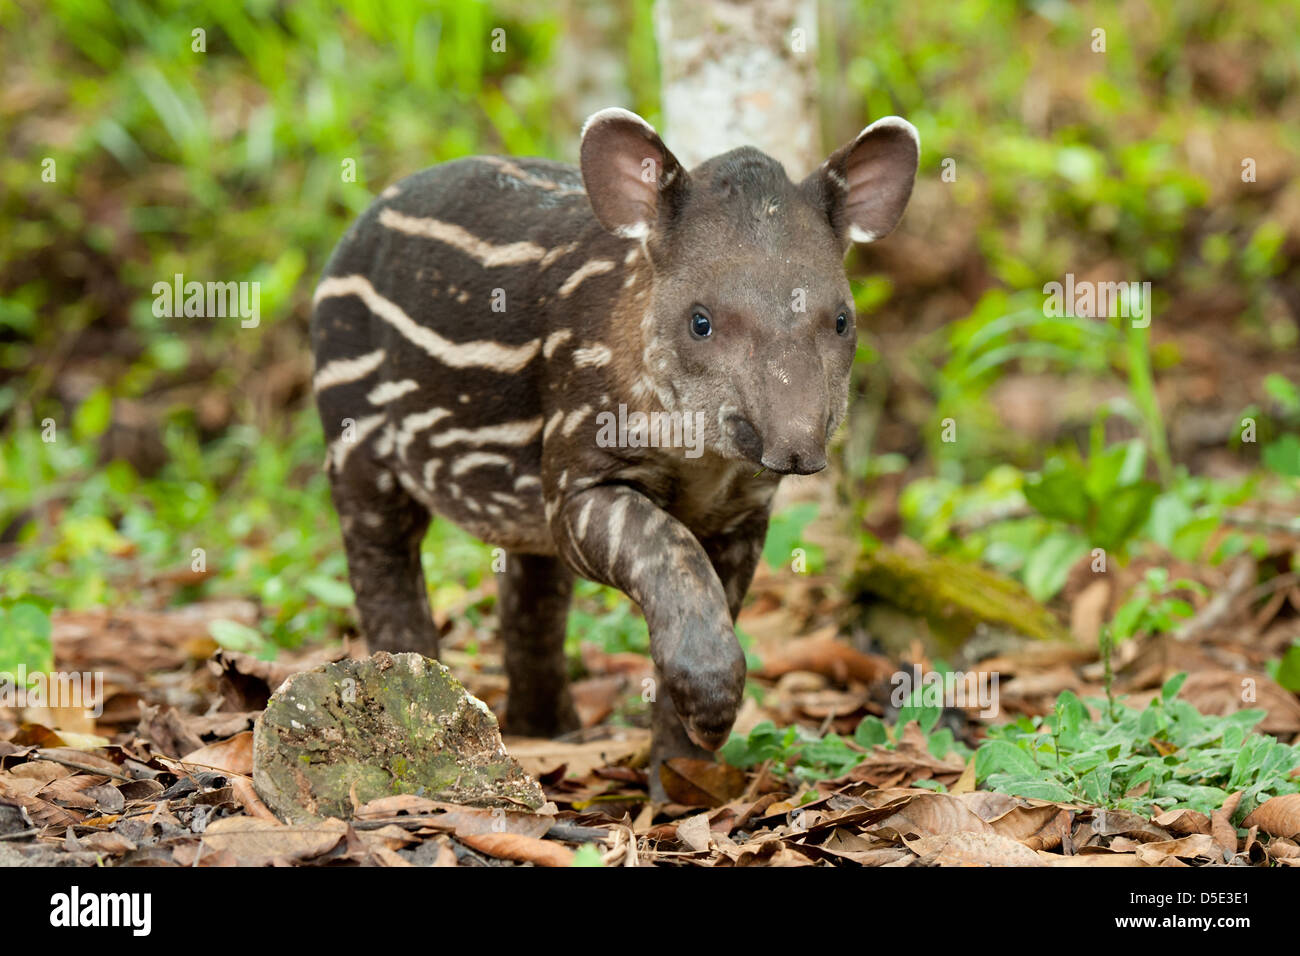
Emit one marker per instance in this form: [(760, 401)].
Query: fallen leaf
[(1221, 828), (823, 654), (522, 849), (1197, 846), (694, 832), (1018, 818), (973, 849), (539, 756), (1183, 822), (1277, 816), (109, 843), (966, 782), (242, 788), (1090, 859), (701, 783), (257, 842), (1123, 823), (234, 755), (931, 814)]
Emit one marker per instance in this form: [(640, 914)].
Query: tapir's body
[(465, 436), (481, 326)]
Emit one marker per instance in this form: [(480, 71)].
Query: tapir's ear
[(864, 185), (629, 173)]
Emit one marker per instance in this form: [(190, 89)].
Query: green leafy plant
[(1153, 608), (25, 636), (1164, 756), (1106, 496), (1286, 670), (804, 755), (785, 533)]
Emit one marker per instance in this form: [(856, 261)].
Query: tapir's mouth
[(796, 466)]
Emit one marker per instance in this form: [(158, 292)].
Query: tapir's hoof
[(708, 737)]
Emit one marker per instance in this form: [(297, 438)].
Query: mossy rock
[(391, 724), (953, 598)]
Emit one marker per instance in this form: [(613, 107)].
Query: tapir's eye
[(701, 324), (842, 323)]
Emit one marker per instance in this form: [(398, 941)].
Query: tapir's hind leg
[(533, 605), (382, 530), (382, 524)]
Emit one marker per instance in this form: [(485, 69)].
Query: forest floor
[(163, 777)]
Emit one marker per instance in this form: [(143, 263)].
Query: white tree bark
[(740, 73)]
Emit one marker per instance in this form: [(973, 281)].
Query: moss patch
[(390, 724)]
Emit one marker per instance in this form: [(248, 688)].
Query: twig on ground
[(1221, 605)]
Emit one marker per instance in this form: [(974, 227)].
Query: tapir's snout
[(805, 460)]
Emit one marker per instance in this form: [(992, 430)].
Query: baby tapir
[(604, 371)]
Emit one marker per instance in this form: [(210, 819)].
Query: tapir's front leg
[(617, 536)]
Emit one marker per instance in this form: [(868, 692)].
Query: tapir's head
[(750, 319)]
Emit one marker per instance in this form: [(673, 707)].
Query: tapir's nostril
[(747, 438), (806, 464)]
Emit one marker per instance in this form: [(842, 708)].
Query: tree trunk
[(740, 74)]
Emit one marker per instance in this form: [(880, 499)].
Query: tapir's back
[(429, 331)]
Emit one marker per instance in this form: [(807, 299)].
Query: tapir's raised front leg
[(617, 536)]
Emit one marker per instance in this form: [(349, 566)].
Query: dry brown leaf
[(1277, 816), (966, 782), (538, 757), (1196, 846), (69, 791), (1123, 823), (1183, 822), (257, 842), (82, 760), (1280, 847), (596, 697), (41, 771), (822, 654), (1089, 610), (844, 844), (694, 832), (396, 805), (1090, 859), (112, 844), (973, 849), (234, 755), (701, 783), (1221, 828), (45, 814), (468, 821), (907, 763), (931, 814), (385, 856), (522, 849), (391, 836), (242, 788), (1026, 821), (770, 852)]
